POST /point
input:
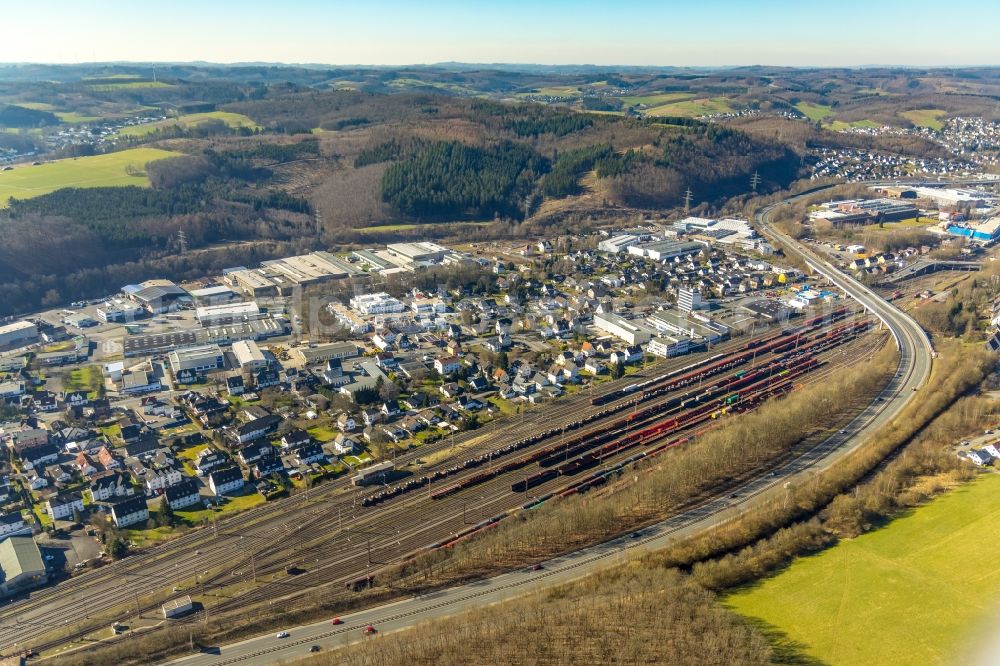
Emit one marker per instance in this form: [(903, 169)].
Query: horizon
[(717, 33)]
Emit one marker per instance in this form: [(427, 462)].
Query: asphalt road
[(913, 371)]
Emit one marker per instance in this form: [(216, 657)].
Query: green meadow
[(912, 592), (25, 180)]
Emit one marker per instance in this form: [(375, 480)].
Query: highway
[(913, 371)]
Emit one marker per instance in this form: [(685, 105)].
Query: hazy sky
[(627, 32)]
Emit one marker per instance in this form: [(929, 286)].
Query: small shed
[(177, 607)]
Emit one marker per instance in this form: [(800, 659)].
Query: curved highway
[(915, 359)]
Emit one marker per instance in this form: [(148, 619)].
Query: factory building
[(248, 355), (418, 253), (196, 359), (18, 334), (631, 332), (228, 313), (380, 303)]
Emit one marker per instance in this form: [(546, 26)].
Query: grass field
[(26, 181), (692, 107), (908, 593), (838, 125), (125, 85), (814, 112), (190, 120), (930, 118), (88, 378), (656, 100)]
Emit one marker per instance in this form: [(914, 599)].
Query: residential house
[(235, 385), (12, 523), (76, 399), (255, 451), (310, 453), (447, 365), (37, 457), (293, 439), (182, 494), (226, 480), (345, 445), (61, 507), (267, 466), (209, 459), (108, 459), (130, 511), (346, 423), (59, 474), (110, 484), (160, 478), (257, 428), (450, 390), (390, 409)]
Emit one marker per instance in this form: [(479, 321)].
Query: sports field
[(25, 181), (190, 120), (913, 592)]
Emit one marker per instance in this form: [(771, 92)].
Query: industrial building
[(380, 303), (248, 355), (18, 334), (942, 196), (986, 232), (197, 359), (251, 282), (21, 565), (323, 353), (418, 253), (119, 311), (213, 295), (228, 313), (864, 211), (161, 343), (665, 250), (688, 299), (631, 332), (617, 244), (668, 346), (693, 325), (157, 296), (307, 269)]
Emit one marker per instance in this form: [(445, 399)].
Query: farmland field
[(656, 99), (814, 112), (908, 593), (930, 118), (837, 125), (26, 181), (693, 107), (190, 120), (126, 85)]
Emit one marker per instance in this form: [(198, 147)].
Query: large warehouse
[(18, 334)]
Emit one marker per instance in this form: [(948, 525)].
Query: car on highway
[(536, 567), (335, 621), (281, 634), (315, 648), (843, 432), (369, 630)]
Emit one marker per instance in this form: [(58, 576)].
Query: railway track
[(229, 550)]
